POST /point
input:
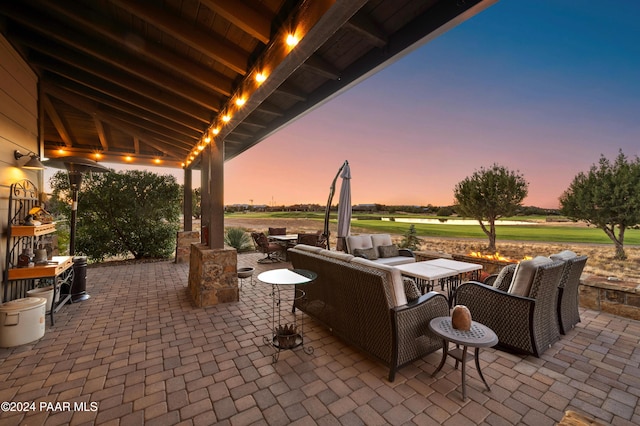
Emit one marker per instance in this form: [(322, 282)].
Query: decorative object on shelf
[(286, 336), (461, 318), (41, 256), (41, 215), (25, 259), (34, 160)]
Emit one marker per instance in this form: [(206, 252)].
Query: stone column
[(184, 240), (212, 275)]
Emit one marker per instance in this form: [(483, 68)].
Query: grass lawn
[(540, 232)]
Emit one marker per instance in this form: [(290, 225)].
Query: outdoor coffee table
[(479, 336), (287, 331), (425, 273), (459, 268)]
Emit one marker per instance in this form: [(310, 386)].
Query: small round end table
[(479, 336), (287, 332)]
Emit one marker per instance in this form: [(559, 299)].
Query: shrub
[(238, 238)]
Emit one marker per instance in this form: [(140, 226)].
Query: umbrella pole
[(327, 212)]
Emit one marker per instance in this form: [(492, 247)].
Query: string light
[(128, 158), (157, 161), (292, 40), (260, 77)]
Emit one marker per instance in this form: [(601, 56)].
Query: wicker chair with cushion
[(524, 323), (277, 231), (271, 250), (314, 239), (568, 314)]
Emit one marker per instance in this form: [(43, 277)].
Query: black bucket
[(79, 286)]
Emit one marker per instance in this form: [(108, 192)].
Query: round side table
[(479, 336), (287, 332)]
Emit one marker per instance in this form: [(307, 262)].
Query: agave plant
[(238, 238)]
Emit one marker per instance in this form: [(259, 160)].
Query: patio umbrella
[(327, 212), (344, 206)]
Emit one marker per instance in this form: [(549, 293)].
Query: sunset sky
[(543, 87)]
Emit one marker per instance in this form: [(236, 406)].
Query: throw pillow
[(388, 251), (369, 253), (564, 255), (411, 289)]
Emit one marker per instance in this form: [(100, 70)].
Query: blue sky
[(541, 87)]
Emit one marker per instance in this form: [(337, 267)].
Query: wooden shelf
[(42, 271), (32, 231)]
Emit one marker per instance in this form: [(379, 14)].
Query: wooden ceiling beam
[(134, 85), (134, 124), (141, 116), (249, 20), (321, 67), (216, 48), (119, 98), (104, 140), (367, 29), (76, 14), (107, 55), (288, 90), (57, 121)]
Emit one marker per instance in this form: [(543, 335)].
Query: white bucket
[(46, 292), (22, 321)]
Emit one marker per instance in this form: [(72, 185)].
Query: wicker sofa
[(365, 304)]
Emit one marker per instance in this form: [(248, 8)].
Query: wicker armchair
[(568, 315), (523, 324), (315, 239)]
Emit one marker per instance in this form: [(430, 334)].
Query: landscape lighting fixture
[(33, 163)]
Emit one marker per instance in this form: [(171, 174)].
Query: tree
[(490, 194), (608, 196), (133, 212), (411, 240)]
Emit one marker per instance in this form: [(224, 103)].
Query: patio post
[(188, 201), (213, 275)]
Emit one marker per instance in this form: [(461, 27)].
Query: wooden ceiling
[(147, 81)]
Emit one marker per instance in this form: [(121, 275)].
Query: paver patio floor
[(138, 352)]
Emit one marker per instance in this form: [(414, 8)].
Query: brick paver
[(138, 351)]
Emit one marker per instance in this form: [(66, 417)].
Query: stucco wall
[(18, 127)]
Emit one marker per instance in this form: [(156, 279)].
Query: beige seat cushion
[(523, 276), (564, 255), (380, 240), (396, 291), (358, 242)]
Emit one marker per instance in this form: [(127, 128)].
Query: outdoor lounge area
[(141, 353)]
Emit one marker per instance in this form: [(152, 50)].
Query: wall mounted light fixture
[(33, 163)]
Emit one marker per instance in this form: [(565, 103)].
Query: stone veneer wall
[(184, 240), (213, 276), (615, 297)]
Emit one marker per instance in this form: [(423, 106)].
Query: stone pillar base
[(184, 240), (213, 275)]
